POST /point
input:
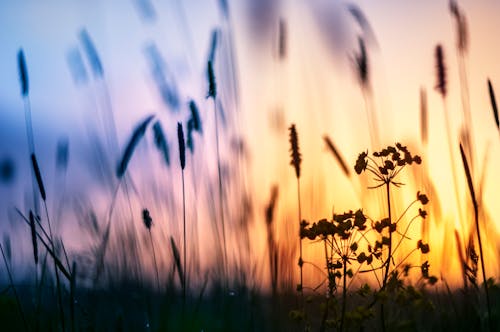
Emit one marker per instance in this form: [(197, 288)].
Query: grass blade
[(132, 144), (493, 103), (476, 220), (337, 156), (177, 260), (468, 176), (33, 237), (38, 176), (161, 142)]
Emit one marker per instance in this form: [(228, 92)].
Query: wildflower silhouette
[(340, 237), (385, 166)]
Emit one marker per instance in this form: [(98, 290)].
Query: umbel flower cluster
[(386, 164)]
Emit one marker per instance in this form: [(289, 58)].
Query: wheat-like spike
[(129, 149), (362, 20), (212, 86), (440, 71), (182, 145), (362, 65), (33, 237), (461, 24), (337, 156), (23, 73), (38, 176), (161, 142), (195, 116), (91, 52), (493, 103), (294, 150)]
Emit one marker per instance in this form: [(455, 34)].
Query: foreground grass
[(132, 307)]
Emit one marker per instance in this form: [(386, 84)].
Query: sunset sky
[(315, 87)]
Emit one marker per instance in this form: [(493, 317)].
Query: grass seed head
[(195, 116), (212, 86), (91, 52), (161, 142), (182, 145), (38, 176), (146, 218), (294, 150), (362, 66), (461, 26), (132, 144), (23, 73), (440, 71)]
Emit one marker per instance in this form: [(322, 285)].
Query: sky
[(314, 86)]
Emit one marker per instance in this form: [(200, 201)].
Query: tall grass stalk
[(475, 205), (493, 103), (24, 82), (148, 222), (46, 245), (72, 299), (41, 188), (11, 282), (271, 241), (441, 87), (34, 243), (389, 253), (212, 93), (182, 159), (362, 67), (462, 49), (295, 162)]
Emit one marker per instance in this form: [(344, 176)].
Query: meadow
[(184, 219)]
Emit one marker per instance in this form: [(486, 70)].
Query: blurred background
[(98, 68)]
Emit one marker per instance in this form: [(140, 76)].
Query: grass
[(374, 270)]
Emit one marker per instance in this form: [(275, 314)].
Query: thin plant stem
[(476, 220), (11, 280), (388, 262), (56, 270), (31, 147), (154, 259), (184, 254), (344, 294), (301, 261), (388, 195), (221, 203)]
